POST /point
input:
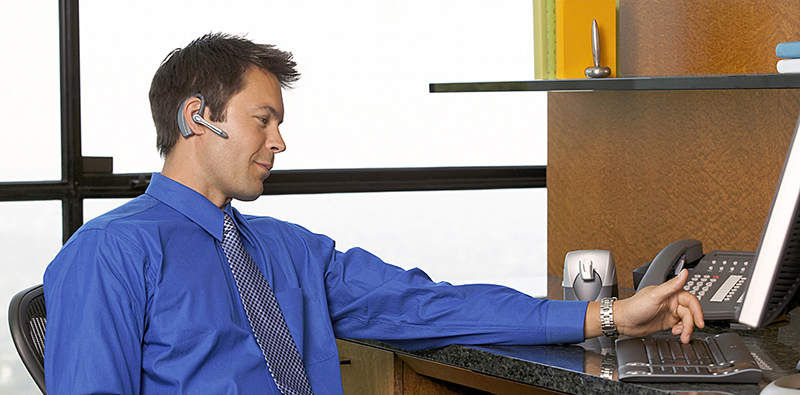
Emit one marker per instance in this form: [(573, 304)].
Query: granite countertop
[(590, 367)]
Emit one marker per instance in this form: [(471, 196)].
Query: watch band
[(608, 366), (607, 317)]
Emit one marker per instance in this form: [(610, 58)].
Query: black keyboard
[(722, 358)]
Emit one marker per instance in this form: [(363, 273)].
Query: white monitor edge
[(776, 229)]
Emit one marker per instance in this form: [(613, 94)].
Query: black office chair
[(28, 318)]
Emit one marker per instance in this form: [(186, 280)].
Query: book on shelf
[(551, 39), (789, 66), (788, 50), (539, 39), (544, 39), (573, 28)]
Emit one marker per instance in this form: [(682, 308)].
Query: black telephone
[(717, 278)]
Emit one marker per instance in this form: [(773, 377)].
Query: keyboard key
[(676, 350), (716, 352), (652, 351), (663, 370), (666, 354), (638, 370), (702, 351), (691, 354)]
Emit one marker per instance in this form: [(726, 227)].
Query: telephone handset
[(717, 278), (670, 261)]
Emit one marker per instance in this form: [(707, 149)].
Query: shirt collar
[(188, 202)]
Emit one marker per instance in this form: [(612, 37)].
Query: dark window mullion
[(71, 157)]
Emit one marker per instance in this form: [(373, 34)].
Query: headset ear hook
[(197, 118)]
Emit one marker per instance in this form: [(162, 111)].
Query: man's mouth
[(266, 166)]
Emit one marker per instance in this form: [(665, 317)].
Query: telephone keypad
[(718, 282), (699, 284)]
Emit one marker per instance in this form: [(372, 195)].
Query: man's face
[(237, 166)]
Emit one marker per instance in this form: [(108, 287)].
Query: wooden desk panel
[(633, 171)]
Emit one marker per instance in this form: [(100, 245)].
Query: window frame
[(80, 178)]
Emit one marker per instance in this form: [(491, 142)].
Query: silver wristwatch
[(607, 317)]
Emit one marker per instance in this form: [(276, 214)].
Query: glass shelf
[(697, 82)]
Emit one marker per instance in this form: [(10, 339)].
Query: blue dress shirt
[(141, 301)]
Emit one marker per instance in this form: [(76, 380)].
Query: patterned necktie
[(269, 327)]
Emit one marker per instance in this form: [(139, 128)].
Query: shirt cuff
[(564, 321)]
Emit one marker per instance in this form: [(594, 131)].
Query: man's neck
[(182, 172)]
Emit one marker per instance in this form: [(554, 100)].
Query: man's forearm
[(591, 324)]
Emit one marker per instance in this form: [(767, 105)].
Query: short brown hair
[(214, 66)]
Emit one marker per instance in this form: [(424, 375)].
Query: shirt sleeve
[(95, 297), (370, 299)]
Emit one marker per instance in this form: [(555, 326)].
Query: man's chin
[(248, 199), (250, 196)]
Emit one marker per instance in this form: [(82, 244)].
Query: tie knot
[(228, 225)]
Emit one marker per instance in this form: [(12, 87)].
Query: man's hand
[(652, 309), (661, 307)]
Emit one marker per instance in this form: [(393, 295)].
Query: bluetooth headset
[(197, 118)]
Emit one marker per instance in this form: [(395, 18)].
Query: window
[(489, 236), (29, 76), (362, 100), (31, 237)]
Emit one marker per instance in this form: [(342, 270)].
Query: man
[(150, 298)]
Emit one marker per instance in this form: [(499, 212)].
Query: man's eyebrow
[(272, 111)]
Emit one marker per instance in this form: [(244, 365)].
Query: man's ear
[(186, 125)]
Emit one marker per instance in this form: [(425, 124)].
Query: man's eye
[(264, 121)]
